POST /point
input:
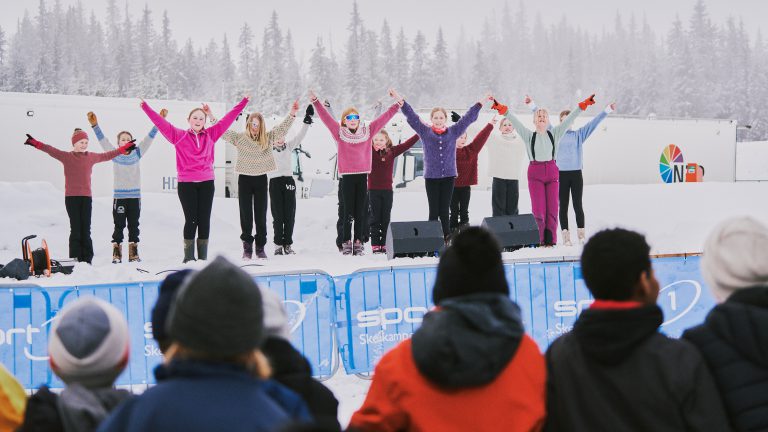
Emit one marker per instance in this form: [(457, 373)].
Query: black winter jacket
[(734, 342), (615, 372)]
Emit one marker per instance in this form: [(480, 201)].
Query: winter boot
[(117, 253), (189, 250), (247, 250), (202, 249), (358, 249), (288, 250), (259, 251), (567, 238), (582, 235), (133, 252), (278, 250), (375, 249), (346, 248)]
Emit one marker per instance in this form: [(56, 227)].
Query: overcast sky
[(203, 20)]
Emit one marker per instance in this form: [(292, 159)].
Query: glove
[(587, 102), (501, 108), (455, 116), (308, 114), (92, 119), (33, 142), (163, 112), (128, 147)]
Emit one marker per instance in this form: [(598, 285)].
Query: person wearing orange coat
[(470, 366)]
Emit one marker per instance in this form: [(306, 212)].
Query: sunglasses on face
[(352, 117)]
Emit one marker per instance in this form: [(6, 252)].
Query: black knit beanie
[(472, 264), (167, 292), (218, 311)]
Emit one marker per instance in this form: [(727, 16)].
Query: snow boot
[(247, 250), (288, 250), (346, 248), (582, 235), (567, 238), (278, 250), (375, 249), (189, 250), (358, 249), (117, 253), (259, 251), (202, 249), (133, 252)]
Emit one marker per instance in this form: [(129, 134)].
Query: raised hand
[(207, 109), (486, 98), (396, 96), (612, 106), (247, 95), (312, 95), (163, 113), (142, 102), (527, 100), (128, 147), (308, 114), (33, 142), (92, 118), (587, 102), (499, 107), (295, 107), (455, 116), (494, 120)]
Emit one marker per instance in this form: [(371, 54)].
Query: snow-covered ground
[(675, 218)]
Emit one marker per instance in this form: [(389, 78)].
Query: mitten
[(128, 147), (455, 116), (308, 114), (587, 102), (33, 142), (501, 108), (92, 118)]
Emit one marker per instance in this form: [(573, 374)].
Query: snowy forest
[(701, 67)]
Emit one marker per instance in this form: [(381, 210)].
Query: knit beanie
[(13, 401), (472, 264), (736, 256), (89, 343), (218, 310), (167, 291), (275, 316), (78, 135)]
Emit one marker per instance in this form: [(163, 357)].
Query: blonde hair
[(386, 135), (501, 123), (347, 112), (261, 134), (197, 109), (436, 109), (254, 361)]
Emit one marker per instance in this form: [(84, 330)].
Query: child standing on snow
[(380, 193), (282, 188), (126, 204), (78, 167), (505, 162), (466, 168), (254, 160), (353, 138), (543, 175)]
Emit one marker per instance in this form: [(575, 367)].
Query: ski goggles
[(352, 117)]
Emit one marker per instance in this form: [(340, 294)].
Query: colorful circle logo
[(671, 155)]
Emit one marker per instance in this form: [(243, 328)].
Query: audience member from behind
[(291, 368), (88, 346), (615, 371), (215, 377), (734, 337), (470, 366), (166, 293), (13, 400)]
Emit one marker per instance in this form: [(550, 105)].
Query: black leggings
[(196, 201), (571, 183), (252, 197), (460, 206), (439, 192), (79, 209), (380, 211), (354, 190)]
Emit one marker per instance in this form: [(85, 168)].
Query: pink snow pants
[(544, 187)]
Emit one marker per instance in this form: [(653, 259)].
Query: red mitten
[(587, 102), (501, 108), (128, 147), (33, 142)]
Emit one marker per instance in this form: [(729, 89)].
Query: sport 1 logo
[(679, 298), (383, 317)]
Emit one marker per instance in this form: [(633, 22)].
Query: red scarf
[(439, 131)]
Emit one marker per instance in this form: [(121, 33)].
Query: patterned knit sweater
[(127, 169), (252, 159)]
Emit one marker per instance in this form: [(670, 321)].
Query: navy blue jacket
[(196, 396)]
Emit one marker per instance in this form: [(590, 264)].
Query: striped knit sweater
[(252, 159), (127, 169)]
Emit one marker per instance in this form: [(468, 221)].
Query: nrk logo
[(673, 168)]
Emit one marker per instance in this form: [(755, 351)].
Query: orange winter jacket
[(402, 399)]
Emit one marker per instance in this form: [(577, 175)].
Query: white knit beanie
[(736, 256), (275, 317), (89, 343)]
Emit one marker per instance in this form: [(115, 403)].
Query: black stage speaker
[(513, 232), (416, 238)]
